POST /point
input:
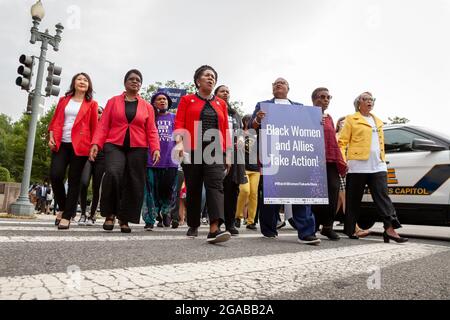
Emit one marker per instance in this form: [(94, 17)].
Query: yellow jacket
[(355, 138)]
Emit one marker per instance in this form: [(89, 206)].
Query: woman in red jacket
[(71, 131), (201, 126), (125, 132)]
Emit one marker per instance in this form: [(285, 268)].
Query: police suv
[(418, 162)]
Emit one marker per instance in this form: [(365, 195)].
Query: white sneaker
[(90, 222), (82, 221)]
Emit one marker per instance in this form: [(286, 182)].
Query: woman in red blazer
[(201, 126), (125, 132), (71, 131)]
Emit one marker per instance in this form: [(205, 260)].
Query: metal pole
[(23, 206)]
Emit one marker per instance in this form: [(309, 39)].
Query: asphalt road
[(38, 262)]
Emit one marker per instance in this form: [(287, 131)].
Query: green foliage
[(148, 92), (398, 120), (13, 143), (4, 175)]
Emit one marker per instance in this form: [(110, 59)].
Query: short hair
[(357, 102), (127, 75), (198, 73), (316, 91), (218, 88)]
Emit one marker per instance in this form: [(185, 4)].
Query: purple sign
[(174, 94), (292, 153)]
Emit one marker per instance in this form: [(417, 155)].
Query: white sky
[(398, 49)]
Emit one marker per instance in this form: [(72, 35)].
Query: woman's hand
[(93, 153), (156, 157), (180, 149), (51, 141)]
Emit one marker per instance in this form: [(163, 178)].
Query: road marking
[(254, 278), (67, 237)]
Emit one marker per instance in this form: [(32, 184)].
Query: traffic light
[(53, 80), (26, 72)]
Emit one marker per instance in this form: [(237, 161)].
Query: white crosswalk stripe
[(256, 277)]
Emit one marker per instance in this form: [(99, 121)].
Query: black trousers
[(325, 214), (66, 157), (231, 193), (175, 201), (212, 175), (123, 183), (96, 170), (355, 185), (260, 199)]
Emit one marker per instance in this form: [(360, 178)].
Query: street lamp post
[(23, 206)]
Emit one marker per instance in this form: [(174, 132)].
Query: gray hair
[(358, 98)]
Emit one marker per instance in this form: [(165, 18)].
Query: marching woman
[(71, 130), (161, 177), (201, 126), (125, 132), (362, 143), (96, 170), (236, 175)]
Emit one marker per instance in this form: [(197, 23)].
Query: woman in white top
[(71, 131), (362, 143)]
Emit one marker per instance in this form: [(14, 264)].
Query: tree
[(4, 175), (398, 120), (150, 90), (13, 142)]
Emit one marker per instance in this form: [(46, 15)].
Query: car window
[(399, 140)]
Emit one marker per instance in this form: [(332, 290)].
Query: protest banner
[(292, 153)]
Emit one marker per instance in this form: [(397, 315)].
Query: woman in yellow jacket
[(362, 144)]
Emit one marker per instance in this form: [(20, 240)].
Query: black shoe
[(292, 223), (281, 225), (175, 224), (166, 220), (192, 232), (160, 225), (233, 231), (218, 236), (148, 227), (312, 240), (387, 237), (237, 224), (251, 226), (124, 227), (330, 234)]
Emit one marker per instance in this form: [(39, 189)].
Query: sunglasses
[(323, 97)]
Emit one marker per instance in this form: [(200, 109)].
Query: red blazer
[(188, 117), (83, 128), (113, 125)]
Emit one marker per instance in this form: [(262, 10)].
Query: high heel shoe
[(387, 237)]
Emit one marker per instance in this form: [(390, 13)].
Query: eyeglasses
[(134, 79), (365, 99), (280, 82), (323, 97)]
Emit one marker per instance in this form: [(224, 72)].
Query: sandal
[(124, 227), (64, 224), (108, 225), (58, 218), (362, 233)]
